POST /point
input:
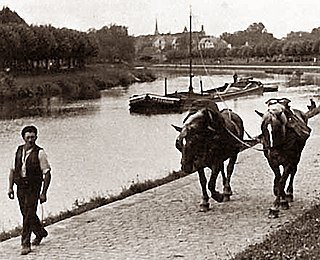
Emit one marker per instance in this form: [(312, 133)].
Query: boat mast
[(190, 53)]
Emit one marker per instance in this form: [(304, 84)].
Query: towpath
[(165, 222)]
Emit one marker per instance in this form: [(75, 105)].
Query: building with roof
[(154, 46)]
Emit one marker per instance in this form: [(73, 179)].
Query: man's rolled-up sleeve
[(44, 163)]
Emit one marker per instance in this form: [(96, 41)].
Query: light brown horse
[(284, 135)]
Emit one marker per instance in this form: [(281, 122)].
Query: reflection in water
[(42, 107)]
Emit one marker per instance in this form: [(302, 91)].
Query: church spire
[(156, 32)]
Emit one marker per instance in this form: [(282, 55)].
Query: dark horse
[(207, 139), (284, 135)]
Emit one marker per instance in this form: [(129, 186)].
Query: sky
[(217, 16)]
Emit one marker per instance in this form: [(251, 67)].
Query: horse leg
[(277, 177), (224, 178), (204, 205), (274, 211), (282, 183), (212, 182), (227, 191), (289, 195)]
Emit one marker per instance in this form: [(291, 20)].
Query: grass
[(299, 239), (99, 201), (71, 84)]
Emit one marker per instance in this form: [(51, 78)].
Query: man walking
[(31, 173), (235, 78)]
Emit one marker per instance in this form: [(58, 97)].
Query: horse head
[(274, 122), (193, 141)]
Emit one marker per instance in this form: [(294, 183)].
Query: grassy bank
[(299, 239), (71, 84), (99, 201)]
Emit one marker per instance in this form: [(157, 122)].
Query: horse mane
[(279, 113)]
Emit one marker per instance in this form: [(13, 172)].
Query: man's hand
[(43, 198), (11, 194)]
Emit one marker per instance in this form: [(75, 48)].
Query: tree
[(9, 17), (256, 28), (246, 51), (261, 50), (45, 44), (316, 47), (255, 34), (275, 48), (115, 44)]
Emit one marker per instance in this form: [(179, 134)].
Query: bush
[(88, 90)]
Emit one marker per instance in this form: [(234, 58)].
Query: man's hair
[(29, 129)]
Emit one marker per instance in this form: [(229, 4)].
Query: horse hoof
[(226, 198), (204, 207), (284, 204), (289, 198), (227, 191), (217, 197), (274, 213)]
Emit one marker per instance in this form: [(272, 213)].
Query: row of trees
[(30, 47), (278, 50), (256, 42), (24, 47)]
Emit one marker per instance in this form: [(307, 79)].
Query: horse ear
[(178, 128), (259, 113), (191, 112), (284, 101), (271, 101)]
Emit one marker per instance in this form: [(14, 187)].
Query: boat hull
[(154, 104), (256, 90), (180, 102), (271, 88)]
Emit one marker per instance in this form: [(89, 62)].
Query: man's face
[(30, 139)]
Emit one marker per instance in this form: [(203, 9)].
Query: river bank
[(295, 75), (87, 83), (70, 83), (253, 69)]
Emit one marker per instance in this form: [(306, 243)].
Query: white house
[(159, 43), (211, 42)]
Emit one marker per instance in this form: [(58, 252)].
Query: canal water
[(97, 148)]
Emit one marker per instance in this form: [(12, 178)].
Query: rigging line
[(223, 101), (206, 71)]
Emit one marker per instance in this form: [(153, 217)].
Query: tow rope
[(242, 142)]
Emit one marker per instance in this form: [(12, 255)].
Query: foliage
[(114, 44), (7, 17), (44, 47), (34, 47), (255, 34), (295, 240), (257, 44)]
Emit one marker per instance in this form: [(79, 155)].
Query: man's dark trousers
[(28, 196)]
